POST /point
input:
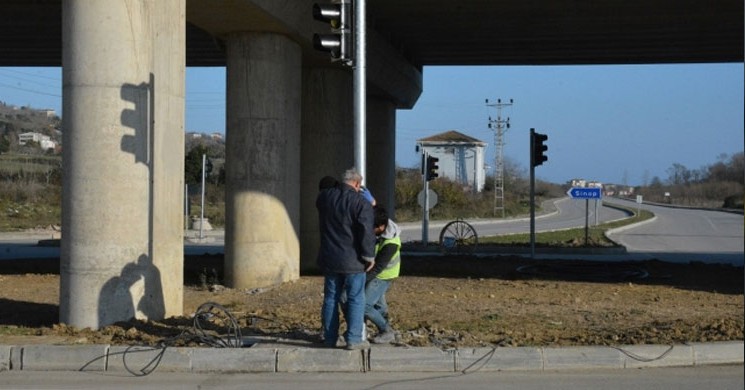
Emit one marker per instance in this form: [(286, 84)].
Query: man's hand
[(370, 266)]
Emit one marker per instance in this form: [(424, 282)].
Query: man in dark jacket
[(347, 251)]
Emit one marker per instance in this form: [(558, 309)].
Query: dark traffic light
[(432, 168), (338, 14), (537, 148)]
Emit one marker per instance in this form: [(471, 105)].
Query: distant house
[(44, 141), (461, 157)]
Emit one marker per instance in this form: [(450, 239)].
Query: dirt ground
[(445, 302)]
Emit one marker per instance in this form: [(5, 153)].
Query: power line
[(29, 74), (29, 90)]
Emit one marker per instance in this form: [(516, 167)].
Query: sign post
[(585, 193)]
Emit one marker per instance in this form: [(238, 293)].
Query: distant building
[(578, 183), (44, 141), (461, 157)]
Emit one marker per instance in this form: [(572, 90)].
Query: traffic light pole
[(538, 156), (338, 15), (425, 212), (532, 193), (360, 87)]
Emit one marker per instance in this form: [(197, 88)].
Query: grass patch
[(570, 237)]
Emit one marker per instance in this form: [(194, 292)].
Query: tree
[(678, 174), (4, 144), (193, 165), (728, 170)]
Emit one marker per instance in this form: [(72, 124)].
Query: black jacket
[(345, 221)]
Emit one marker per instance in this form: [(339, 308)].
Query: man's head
[(353, 178), (327, 182), (380, 221)]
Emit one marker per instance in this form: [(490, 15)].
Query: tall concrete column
[(327, 148), (262, 160), (117, 114), (167, 221), (381, 152)]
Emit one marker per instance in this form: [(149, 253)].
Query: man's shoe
[(386, 337), (359, 346)]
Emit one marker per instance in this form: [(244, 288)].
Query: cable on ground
[(209, 319)]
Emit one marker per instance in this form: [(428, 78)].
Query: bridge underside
[(438, 32), (289, 114)]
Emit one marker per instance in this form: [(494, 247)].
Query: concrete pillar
[(381, 152), (262, 160), (117, 113), (327, 147), (169, 70)]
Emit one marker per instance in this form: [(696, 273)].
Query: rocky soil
[(456, 301)]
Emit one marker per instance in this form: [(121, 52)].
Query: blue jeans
[(354, 287), (376, 308)]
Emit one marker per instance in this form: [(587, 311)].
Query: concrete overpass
[(439, 32), (289, 114)]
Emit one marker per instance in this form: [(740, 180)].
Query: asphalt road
[(677, 234), (565, 213)]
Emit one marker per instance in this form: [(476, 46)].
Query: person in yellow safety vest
[(381, 276)]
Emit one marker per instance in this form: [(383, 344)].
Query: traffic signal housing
[(538, 148), (338, 14), (432, 168)]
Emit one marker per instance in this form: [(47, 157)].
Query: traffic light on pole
[(432, 168), (338, 14), (538, 152)]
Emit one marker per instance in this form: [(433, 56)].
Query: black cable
[(643, 359), (208, 319)]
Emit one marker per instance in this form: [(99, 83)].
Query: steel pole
[(360, 87), (201, 216)]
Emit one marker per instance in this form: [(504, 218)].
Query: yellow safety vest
[(394, 266)]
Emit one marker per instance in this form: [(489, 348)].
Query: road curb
[(142, 360)]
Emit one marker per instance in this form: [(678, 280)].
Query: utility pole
[(360, 86), (499, 126), (347, 43)]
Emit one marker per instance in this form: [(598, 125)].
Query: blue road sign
[(585, 193)]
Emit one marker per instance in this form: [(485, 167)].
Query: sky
[(622, 124)]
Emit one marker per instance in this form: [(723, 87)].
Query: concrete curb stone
[(581, 357), (142, 360), (320, 360), (62, 357), (229, 360), (717, 353), (422, 359), (500, 359), (5, 351), (638, 356)]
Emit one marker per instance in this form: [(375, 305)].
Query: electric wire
[(209, 319), (643, 359)]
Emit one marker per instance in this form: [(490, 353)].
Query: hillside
[(16, 120)]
